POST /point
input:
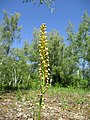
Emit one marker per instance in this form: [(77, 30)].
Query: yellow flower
[(43, 53), (40, 50), (48, 60), (43, 61), (41, 58), (46, 53), (46, 49)]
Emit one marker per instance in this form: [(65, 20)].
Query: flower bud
[(47, 59), (40, 51), (41, 58), (46, 53), (45, 65), (43, 62), (46, 49), (46, 71)]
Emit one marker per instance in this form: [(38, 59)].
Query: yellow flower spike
[(43, 65)]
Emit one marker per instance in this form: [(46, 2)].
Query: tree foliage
[(47, 2), (69, 64)]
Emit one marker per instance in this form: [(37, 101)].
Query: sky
[(32, 16)]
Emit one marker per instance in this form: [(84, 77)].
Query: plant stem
[(40, 103)]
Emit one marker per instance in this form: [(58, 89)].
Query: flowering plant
[(43, 66)]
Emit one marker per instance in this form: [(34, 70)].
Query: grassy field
[(60, 104)]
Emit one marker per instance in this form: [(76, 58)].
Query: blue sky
[(34, 15)]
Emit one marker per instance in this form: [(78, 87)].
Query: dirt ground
[(57, 107)]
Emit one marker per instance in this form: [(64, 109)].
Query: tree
[(56, 49), (80, 46), (9, 32), (47, 2), (62, 60)]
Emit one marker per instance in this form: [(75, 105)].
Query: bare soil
[(58, 106)]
